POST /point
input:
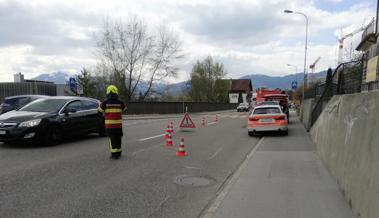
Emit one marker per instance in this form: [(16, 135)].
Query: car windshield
[(45, 105), (267, 110)]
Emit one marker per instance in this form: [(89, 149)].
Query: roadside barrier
[(181, 151)]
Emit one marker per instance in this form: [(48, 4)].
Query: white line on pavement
[(210, 212), (152, 137), (211, 123), (214, 155)]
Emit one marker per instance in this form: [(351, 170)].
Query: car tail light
[(280, 118), (253, 119)]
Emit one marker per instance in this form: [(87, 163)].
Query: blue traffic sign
[(72, 83), (294, 85), (188, 85)]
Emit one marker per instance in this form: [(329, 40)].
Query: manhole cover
[(193, 181)]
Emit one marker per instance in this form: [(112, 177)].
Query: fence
[(369, 86), (346, 79), (371, 28), (26, 88), (176, 107)]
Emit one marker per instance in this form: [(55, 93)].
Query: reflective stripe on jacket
[(112, 109)]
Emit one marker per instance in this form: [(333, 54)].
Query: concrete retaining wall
[(306, 112), (347, 138)]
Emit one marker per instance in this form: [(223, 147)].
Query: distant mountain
[(59, 77), (175, 89), (282, 82)]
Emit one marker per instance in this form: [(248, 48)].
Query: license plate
[(3, 132), (266, 120)]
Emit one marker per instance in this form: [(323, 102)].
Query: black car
[(49, 120), (18, 101)]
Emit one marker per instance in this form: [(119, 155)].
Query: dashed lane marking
[(215, 154), (152, 137)]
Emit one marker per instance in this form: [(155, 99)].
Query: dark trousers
[(115, 144)]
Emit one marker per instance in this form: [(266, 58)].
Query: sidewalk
[(283, 178)]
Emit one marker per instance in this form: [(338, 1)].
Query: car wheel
[(54, 136), (251, 133), (285, 132)]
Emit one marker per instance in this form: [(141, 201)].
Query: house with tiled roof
[(240, 91)]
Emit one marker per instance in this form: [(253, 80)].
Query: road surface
[(77, 178)]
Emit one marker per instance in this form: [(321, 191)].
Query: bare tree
[(133, 55), (165, 51)]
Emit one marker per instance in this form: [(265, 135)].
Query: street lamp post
[(290, 65), (306, 46)]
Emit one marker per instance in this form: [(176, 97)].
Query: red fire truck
[(273, 95)]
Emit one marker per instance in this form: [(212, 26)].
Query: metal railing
[(370, 28), (346, 79), (369, 86)]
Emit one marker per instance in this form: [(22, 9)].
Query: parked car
[(49, 120), (267, 118), (18, 101), (243, 107)]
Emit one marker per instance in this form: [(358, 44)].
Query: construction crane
[(340, 42), (312, 67)]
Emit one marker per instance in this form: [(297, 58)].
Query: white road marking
[(211, 123), (214, 155), (225, 190), (152, 137)]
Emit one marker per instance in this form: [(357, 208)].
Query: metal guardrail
[(370, 28)]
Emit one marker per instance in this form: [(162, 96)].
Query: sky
[(247, 36)]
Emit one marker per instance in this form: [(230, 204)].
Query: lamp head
[(288, 11)]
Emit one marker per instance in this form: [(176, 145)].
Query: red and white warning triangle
[(187, 122)]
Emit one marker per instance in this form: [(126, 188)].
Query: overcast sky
[(248, 36)]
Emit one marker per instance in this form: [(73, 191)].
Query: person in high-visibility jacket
[(112, 108)]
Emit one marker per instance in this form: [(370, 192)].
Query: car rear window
[(267, 110), (45, 105), (17, 101)]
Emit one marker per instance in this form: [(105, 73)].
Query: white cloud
[(248, 36)]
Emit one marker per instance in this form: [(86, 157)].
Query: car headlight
[(30, 123)]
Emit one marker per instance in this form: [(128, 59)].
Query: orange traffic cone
[(216, 118), (166, 136), (172, 128), (169, 142), (203, 122), (181, 152)]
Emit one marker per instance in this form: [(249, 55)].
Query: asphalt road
[(77, 178)]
